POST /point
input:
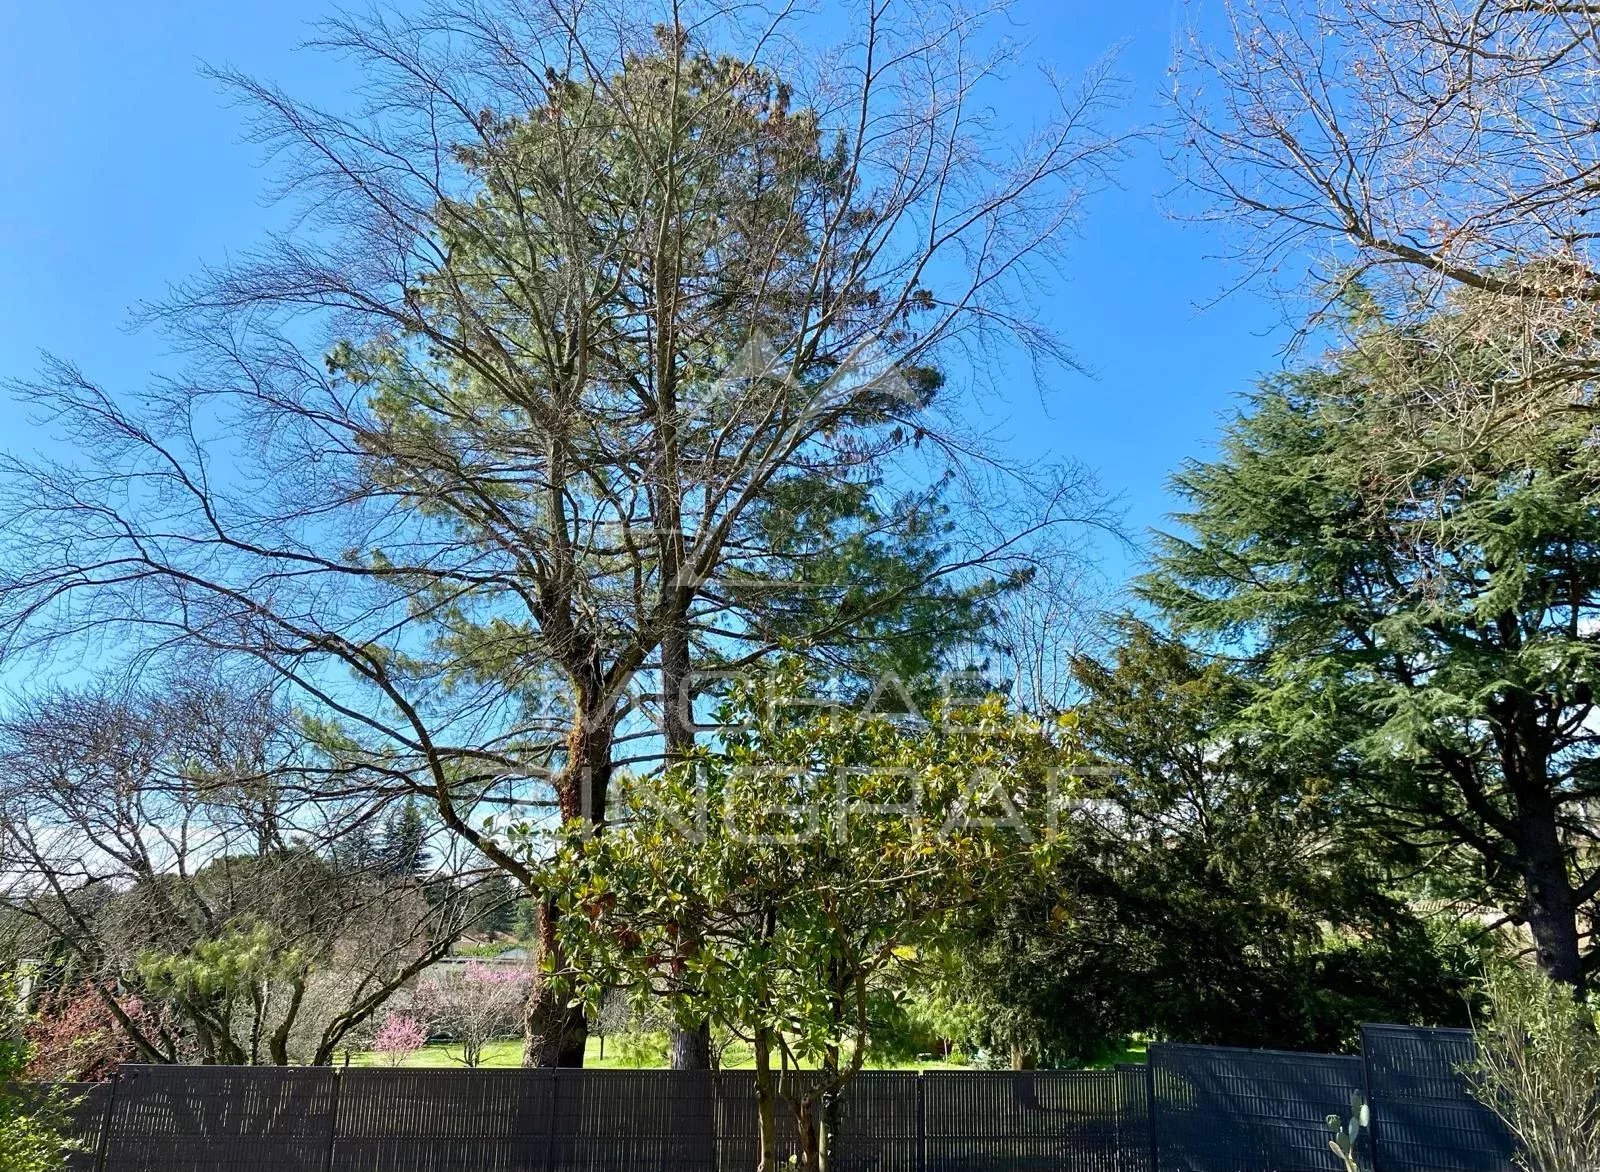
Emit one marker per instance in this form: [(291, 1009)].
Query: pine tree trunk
[(555, 1034), (689, 1048)]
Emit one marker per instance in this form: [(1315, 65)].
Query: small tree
[(479, 1004), (830, 851), (30, 1137), (1538, 1068), (398, 1038)]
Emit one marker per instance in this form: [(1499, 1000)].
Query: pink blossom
[(398, 1038)]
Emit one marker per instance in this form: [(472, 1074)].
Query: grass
[(498, 1055), (1135, 1051)]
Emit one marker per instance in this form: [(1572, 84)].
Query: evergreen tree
[(1214, 893), (1419, 602), (404, 848), (356, 850)]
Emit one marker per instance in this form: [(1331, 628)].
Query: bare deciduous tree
[(1417, 147), (168, 843)]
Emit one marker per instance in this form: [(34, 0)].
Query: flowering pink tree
[(475, 1005), (398, 1038)]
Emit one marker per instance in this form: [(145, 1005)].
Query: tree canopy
[(1213, 892)]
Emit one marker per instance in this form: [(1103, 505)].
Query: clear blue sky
[(122, 169)]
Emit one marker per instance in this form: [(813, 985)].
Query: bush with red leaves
[(75, 1038)]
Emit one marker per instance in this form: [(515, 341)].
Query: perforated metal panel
[(875, 1126), (1222, 1110), (999, 1121), (444, 1121), (206, 1118), (738, 1135), (648, 1120), (84, 1106), (1133, 1117), (1425, 1118)]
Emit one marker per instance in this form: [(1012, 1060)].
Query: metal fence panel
[(444, 1121), (1029, 1121), (634, 1121), (1133, 1117), (85, 1106), (738, 1134), (1424, 1117), (1192, 1109), (875, 1123), (205, 1118), (1224, 1110)]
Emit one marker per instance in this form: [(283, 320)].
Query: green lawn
[(1133, 1051), (498, 1054)]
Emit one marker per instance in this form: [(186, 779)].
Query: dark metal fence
[(1218, 1110), (995, 1121), (1429, 1123), (86, 1106), (203, 1118), (1190, 1109)]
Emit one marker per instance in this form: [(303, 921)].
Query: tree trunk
[(1548, 898), (278, 1046), (827, 1122), (1024, 1091), (690, 1048), (766, 1105), (807, 1129), (554, 1034)]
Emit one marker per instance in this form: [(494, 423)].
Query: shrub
[(74, 1038), (477, 1005), (1538, 1068), (30, 1135)]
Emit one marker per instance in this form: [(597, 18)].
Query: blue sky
[(122, 169)]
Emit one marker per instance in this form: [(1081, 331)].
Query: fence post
[(555, 1118), (333, 1118), (105, 1123), (1366, 1097), (922, 1122), (1150, 1096)]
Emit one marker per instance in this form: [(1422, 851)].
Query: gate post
[(104, 1142)]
